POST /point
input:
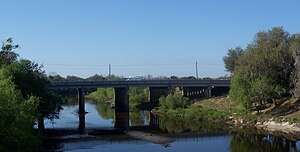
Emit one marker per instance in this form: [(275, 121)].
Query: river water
[(186, 136)]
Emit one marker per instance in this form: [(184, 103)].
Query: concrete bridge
[(198, 88)]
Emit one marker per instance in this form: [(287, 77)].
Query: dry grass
[(220, 104)]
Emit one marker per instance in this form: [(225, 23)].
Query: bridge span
[(193, 89), (139, 83)]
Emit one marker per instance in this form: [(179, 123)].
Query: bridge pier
[(156, 92), (81, 126), (207, 92), (121, 108), (81, 101)]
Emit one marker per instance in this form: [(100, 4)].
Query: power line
[(131, 65)]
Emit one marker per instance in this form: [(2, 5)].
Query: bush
[(173, 101), (16, 119)]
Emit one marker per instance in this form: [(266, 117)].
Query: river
[(186, 136)]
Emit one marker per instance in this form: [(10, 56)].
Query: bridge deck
[(138, 83)]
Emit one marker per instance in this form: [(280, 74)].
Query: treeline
[(24, 98), (56, 77), (267, 69), (53, 76)]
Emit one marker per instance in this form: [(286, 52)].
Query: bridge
[(193, 89), (139, 83)]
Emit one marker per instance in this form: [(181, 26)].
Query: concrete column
[(81, 126), (121, 99), (121, 120), (207, 92), (121, 108), (81, 101)]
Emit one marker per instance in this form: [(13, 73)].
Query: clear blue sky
[(139, 37)]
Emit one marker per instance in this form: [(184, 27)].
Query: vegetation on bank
[(177, 106), (137, 95), (266, 70), (265, 84), (24, 98)]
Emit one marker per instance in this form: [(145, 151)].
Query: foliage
[(295, 48), (137, 95), (265, 69), (96, 77), (173, 101), (7, 56), (27, 76), (73, 78), (186, 118), (102, 94), (16, 119), (30, 79), (232, 56)]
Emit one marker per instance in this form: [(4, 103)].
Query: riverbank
[(284, 116)]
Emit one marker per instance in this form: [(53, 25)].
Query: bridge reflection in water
[(198, 88), (122, 121)]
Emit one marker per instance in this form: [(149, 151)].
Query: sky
[(139, 37)]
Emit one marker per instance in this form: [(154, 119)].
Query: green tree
[(295, 48), (173, 101), (7, 55), (31, 80), (230, 60), (265, 68), (96, 77), (73, 78), (137, 95), (102, 94), (16, 119)]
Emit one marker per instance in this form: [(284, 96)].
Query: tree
[(31, 80), (295, 48), (53, 76), (7, 56), (230, 60), (73, 78), (265, 68), (173, 101), (17, 117), (96, 77)]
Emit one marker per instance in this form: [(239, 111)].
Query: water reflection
[(136, 117), (181, 125), (192, 135), (81, 127), (261, 143)]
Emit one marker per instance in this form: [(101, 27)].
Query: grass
[(221, 104), (221, 109)]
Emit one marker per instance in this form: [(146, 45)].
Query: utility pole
[(109, 71), (196, 70)]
